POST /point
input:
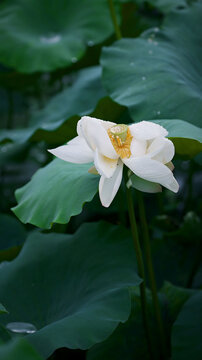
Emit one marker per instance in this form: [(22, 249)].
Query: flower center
[(121, 138)]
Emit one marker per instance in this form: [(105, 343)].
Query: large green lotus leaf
[(18, 349), (159, 74), (186, 137), (45, 35), (72, 288), (55, 193), (187, 329)]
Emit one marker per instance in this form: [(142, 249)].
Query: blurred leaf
[(55, 193), (137, 17), (13, 107), (167, 5), (12, 232), (197, 280), (18, 349), (4, 336), (198, 159), (10, 152), (3, 309), (12, 236), (46, 35), (78, 99), (176, 297), (72, 288), (160, 71), (187, 329), (190, 225), (172, 260), (57, 121), (15, 135), (17, 169), (164, 5), (107, 109)]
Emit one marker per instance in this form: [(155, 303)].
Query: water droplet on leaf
[(52, 39), (21, 327)]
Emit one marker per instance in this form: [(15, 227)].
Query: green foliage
[(46, 35), (128, 340), (160, 71), (173, 260), (3, 309), (55, 193), (76, 286), (18, 349), (167, 5), (12, 232), (56, 122), (176, 297), (190, 225), (12, 236), (187, 330), (80, 98)]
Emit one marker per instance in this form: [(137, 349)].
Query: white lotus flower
[(142, 147)]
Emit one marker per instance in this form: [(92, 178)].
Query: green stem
[(152, 281), (141, 271), (114, 19)]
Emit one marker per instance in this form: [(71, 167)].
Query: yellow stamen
[(121, 138)]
